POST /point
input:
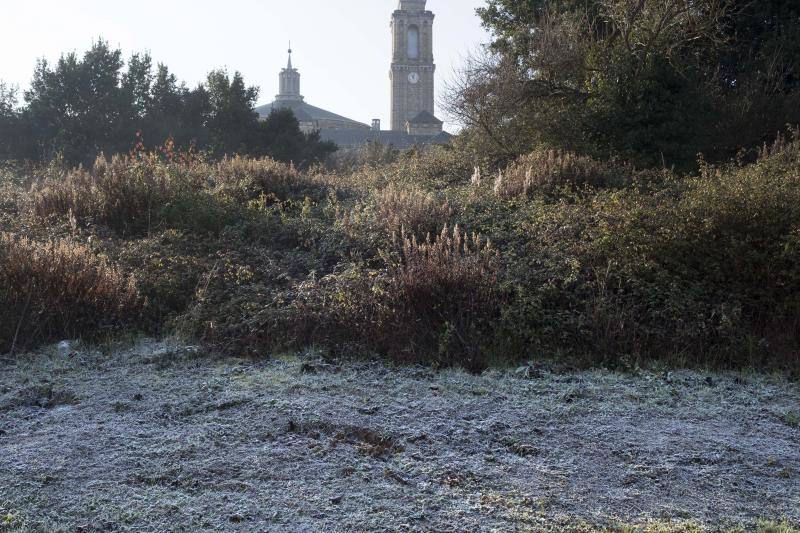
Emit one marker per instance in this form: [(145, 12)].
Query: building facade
[(412, 91)]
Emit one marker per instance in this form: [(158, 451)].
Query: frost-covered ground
[(156, 438)]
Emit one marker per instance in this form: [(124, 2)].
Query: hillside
[(416, 257)]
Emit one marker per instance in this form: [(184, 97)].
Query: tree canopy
[(84, 105), (652, 81)]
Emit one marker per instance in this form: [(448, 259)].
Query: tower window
[(413, 42)]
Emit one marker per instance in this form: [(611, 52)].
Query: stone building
[(413, 71), (412, 91), (311, 118)]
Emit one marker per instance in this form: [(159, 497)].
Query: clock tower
[(412, 74)]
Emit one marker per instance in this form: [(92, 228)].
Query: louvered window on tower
[(413, 42)]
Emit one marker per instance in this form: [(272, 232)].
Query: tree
[(73, 108), (8, 120), (195, 117), (233, 122), (166, 107), (280, 138), (83, 106), (137, 83), (653, 81)]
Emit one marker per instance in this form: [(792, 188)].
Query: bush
[(411, 210), (550, 170), (57, 290), (590, 260), (702, 271), (436, 302), (448, 298), (254, 177), (133, 196)]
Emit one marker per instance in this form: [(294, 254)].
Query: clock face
[(413, 77)]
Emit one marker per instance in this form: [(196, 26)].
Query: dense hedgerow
[(703, 270), (589, 260)]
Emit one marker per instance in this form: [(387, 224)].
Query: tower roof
[(412, 5), (289, 81), (426, 118)]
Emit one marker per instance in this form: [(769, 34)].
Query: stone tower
[(412, 73)]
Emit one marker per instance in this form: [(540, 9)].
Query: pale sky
[(341, 47)]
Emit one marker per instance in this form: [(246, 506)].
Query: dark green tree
[(137, 84), (9, 123), (166, 107), (233, 123), (653, 81), (195, 117), (281, 138), (83, 106), (74, 107)]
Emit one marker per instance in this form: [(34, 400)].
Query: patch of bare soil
[(158, 438)]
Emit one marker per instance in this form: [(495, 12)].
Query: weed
[(58, 289)]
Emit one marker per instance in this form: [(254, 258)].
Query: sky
[(341, 47)]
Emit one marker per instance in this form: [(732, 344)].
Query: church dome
[(310, 118)]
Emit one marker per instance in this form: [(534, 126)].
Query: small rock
[(336, 500), (64, 348), (529, 371)]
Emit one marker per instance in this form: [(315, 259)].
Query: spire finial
[(289, 66)]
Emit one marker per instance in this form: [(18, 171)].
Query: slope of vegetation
[(571, 218), (419, 259)]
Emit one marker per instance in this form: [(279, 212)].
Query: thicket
[(59, 289), (426, 258)]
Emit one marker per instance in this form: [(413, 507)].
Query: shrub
[(702, 271), (253, 177), (410, 209), (448, 298), (589, 260), (132, 195), (548, 170), (58, 289), (436, 302)]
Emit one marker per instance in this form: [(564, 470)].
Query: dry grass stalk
[(57, 288), (267, 174), (412, 210), (548, 170)]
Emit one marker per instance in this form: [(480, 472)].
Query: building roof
[(290, 97), (398, 139), (308, 113), (425, 117)]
